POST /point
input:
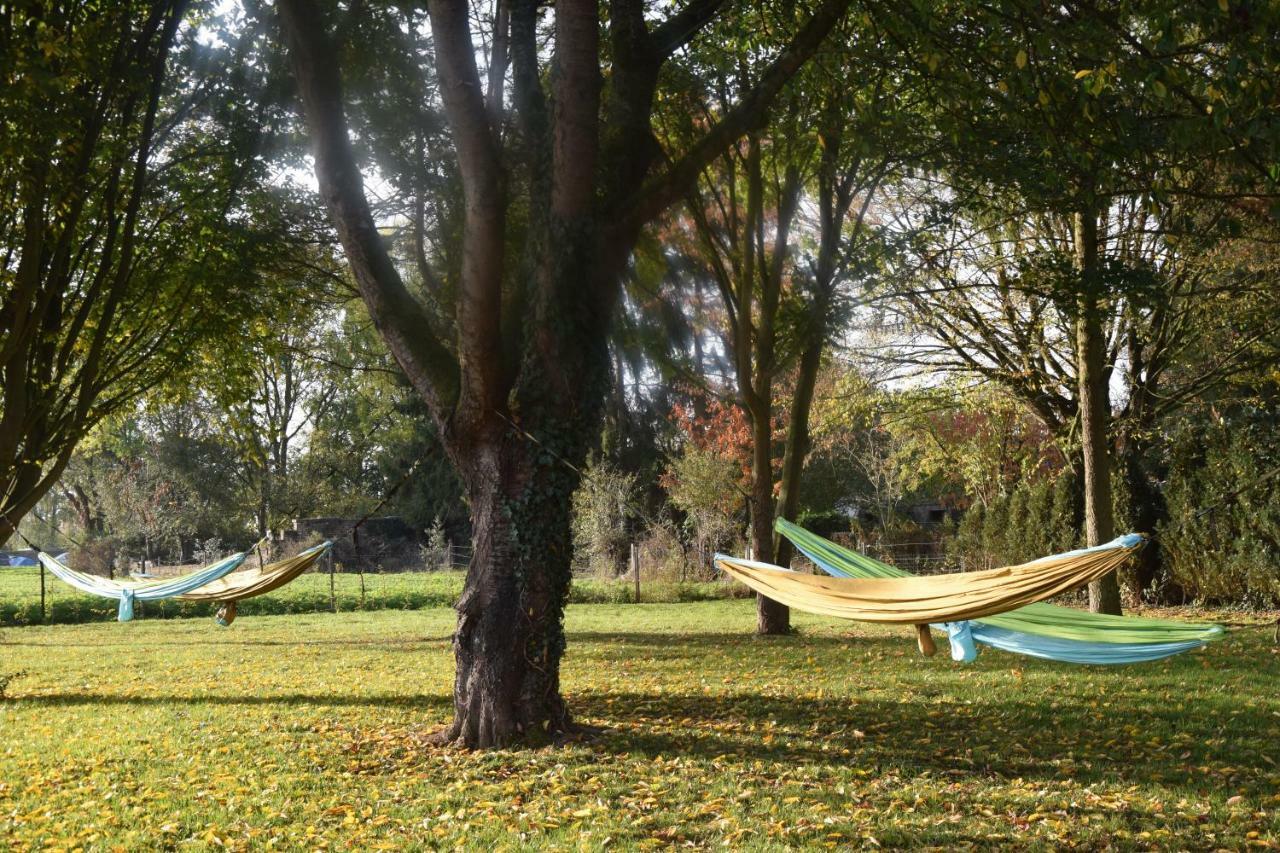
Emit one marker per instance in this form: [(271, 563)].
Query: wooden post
[(924, 640), (635, 568), (333, 595)]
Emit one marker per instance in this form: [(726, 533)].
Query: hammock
[(128, 593), (940, 598), (1038, 630), (246, 584)]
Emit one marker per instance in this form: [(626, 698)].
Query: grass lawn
[(307, 731), (64, 605)]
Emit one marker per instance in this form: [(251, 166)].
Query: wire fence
[(925, 557)]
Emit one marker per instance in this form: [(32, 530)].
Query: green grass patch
[(64, 605), (310, 731)]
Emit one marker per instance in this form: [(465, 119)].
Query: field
[(308, 731)]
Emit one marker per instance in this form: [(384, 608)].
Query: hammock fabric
[(251, 582), (940, 598), (128, 593), (1038, 630)]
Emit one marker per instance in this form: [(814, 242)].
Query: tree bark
[(771, 617), (1095, 408), (509, 638)]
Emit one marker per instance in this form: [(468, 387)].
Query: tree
[(131, 206), (708, 479), (703, 484), (282, 392), (991, 302), (602, 507), (778, 272), (750, 270), (977, 442), (160, 475), (555, 192), (1073, 109)]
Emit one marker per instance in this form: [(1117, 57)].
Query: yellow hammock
[(248, 583), (938, 598)]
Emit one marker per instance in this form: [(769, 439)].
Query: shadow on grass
[(1004, 737), (667, 637), (700, 642), (135, 644), (70, 700), (1001, 738)]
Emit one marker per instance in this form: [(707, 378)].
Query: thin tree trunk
[(771, 617), (797, 447), (1149, 510), (1095, 404)]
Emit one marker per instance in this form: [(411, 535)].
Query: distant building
[(386, 543), (926, 513), (932, 513)]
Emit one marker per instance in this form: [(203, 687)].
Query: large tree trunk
[(1095, 409), (520, 468), (509, 638)]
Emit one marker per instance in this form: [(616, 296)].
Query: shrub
[(1222, 539), (824, 522), (96, 556), (663, 557), (601, 511), (1034, 520), (435, 552), (417, 591)]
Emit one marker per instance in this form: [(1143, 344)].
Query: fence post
[(635, 568), (43, 615), (333, 595)]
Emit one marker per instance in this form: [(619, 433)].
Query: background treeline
[(180, 479)]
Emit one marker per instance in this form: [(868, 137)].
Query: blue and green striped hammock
[(129, 593), (1038, 630)]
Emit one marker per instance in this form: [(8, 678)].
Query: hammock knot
[(127, 598), (962, 646)]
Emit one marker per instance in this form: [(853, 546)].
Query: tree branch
[(577, 108), (396, 314), (661, 192), (676, 31)]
